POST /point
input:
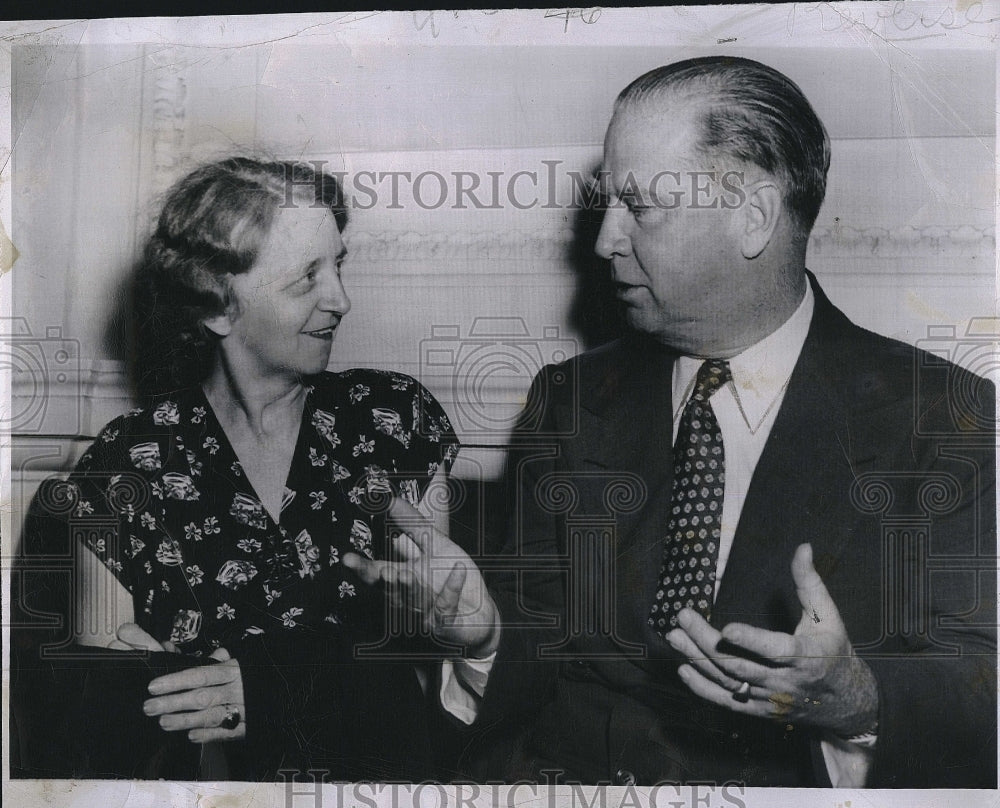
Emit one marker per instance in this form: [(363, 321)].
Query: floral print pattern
[(206, 564)]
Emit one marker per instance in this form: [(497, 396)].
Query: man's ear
[(220, 324), (763, 210)]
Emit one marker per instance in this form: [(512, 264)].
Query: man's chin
[(642, 321), (639, 318)]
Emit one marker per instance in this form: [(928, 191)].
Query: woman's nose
[(334, 296)]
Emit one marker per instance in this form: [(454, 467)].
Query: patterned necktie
[(691, 546)]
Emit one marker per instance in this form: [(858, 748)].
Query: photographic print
[(572, 406)]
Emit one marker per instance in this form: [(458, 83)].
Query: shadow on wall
[(118, 339), (595, 314)]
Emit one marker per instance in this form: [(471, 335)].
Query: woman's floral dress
[(206, 564)]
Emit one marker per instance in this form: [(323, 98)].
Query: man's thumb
[(813, 595)]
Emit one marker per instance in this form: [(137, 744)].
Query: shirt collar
[(760, 373)]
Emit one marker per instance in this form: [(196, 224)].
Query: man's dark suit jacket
[(881, 456)]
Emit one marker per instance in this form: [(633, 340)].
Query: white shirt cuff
[(463, 682), (848, 761)]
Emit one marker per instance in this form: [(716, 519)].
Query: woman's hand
[(207, 701), (133, 638), (436, 581)]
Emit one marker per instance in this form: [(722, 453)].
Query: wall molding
[(460, 245), (167, 85), (927, 243), (98, 391)]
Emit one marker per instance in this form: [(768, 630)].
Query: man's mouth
[(622, 288)]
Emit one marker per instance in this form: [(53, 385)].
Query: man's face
[(676, 268)]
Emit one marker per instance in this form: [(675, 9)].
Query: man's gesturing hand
[(436, 580), (811, 677)]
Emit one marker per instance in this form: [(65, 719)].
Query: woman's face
[(290, 303)]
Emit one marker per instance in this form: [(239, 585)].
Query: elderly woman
[(245, 480)]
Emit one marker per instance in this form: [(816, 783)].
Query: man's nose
[(612, 240)]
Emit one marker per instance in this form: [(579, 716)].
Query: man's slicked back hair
[(753, 113)]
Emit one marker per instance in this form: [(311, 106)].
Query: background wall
[(470, 301)]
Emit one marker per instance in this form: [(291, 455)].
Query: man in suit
[(751, 542)]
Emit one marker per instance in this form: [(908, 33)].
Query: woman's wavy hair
[(212, 227)]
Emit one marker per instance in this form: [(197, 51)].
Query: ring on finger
[(232, 718), (742, 693)]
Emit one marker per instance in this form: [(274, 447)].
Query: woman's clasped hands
[(207, 700)]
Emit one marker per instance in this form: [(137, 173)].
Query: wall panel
[(904, 242)]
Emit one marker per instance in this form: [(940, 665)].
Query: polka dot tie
[(691, 546)]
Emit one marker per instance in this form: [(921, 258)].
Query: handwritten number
[(587, 15)]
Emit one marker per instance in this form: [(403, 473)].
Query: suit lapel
[(625, 427), (785, 506), (817, 447), (626, 431)]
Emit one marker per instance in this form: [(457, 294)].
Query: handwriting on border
[(428, 20), (899, 17), (586, 15)]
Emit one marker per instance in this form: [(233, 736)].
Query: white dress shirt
[(745, 409)]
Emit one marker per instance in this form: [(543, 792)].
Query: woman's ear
[(220, 324), (763, 209)]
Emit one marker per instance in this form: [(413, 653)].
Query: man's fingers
[(699, 630), (774, 646), (704, 662), (220, 654), (711, 691)]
